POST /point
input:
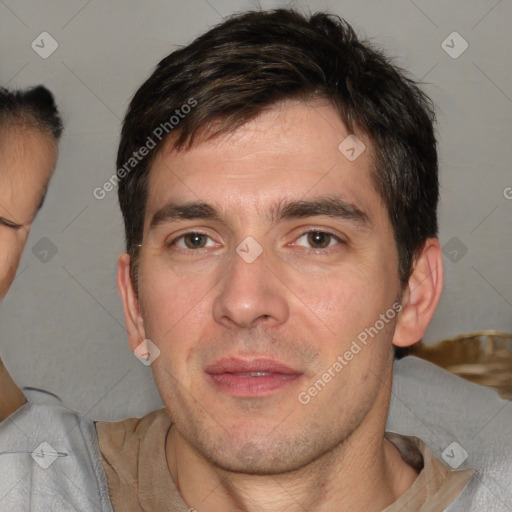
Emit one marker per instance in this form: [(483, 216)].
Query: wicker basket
[(484, 357)]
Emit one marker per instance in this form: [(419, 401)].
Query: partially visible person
[(37, 432), (30, 129)]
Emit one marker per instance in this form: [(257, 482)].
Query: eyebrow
[(330, 206)]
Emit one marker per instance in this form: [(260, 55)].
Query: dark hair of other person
[(250, 62), (35, 108)]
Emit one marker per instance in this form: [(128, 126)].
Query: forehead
[(27, 160), (26, 145), (289, 151)]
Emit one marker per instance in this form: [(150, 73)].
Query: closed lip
[(238, 365)]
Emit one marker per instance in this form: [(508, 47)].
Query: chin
[(261, 455)]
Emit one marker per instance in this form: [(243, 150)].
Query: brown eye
[(319, 239), (192, 240), (195, 240)]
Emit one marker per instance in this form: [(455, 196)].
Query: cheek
[(340, 297), (171, 302), (348, 305)]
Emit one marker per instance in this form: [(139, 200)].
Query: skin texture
[(27, 160), (296, 303)]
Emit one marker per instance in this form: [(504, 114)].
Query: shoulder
[(51, 461), (122, 442), (124, 437), (431, 390), (130, 429), (465, 425)]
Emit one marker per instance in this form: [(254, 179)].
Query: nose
[(250, 294)]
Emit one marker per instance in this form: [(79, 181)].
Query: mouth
[(251, 378)]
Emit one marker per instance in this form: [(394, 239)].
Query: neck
[(361, 473)]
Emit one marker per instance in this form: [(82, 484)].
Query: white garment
[(440, 408), (64, 474)]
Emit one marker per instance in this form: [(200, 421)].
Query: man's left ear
[(421, 295)]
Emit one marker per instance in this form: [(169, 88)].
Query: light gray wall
[(62, 324)]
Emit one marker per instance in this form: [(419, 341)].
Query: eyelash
[(169, 245), (9, 224)]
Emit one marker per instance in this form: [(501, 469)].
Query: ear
[(421, 295), (132, 315)]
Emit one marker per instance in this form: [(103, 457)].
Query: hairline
[(215, 128)]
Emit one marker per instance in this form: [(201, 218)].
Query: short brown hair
[(253, 60)]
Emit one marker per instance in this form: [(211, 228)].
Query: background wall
[(61, 326)]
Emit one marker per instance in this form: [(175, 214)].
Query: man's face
[(27, 159), (244, 335)]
